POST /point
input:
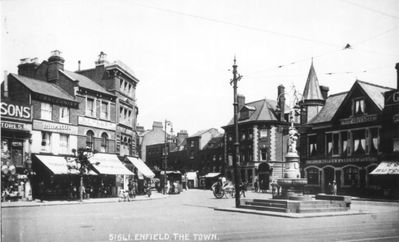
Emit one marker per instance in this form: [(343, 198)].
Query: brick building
[(263, 139), (341, 136)]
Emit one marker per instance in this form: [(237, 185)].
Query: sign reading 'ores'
[(15, 111)]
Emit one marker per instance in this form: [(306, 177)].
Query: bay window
[(359, 142)]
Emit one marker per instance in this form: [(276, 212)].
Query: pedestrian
[(41, 191), (330, 188), (334, 188), (256, 185)]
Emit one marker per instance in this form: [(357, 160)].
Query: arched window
[(351, 176), (90, 139), (313, 176), (104, 142)]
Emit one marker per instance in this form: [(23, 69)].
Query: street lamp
[(233, 82), (165, 155)]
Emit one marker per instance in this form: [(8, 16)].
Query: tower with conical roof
[(313, 99)]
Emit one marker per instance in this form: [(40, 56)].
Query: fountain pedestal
[(292, 185)]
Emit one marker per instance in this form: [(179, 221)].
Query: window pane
[(90, 107), (46, 111), (104, 110)]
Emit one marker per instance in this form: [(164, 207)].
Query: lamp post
[(233, 82), (166, 155)]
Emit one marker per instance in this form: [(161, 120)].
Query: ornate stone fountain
[(292, 184)]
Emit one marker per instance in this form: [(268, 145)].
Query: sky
[(182, 51)]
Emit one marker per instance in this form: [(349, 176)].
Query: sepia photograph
[(199, 120)]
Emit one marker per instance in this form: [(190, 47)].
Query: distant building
[(212, 156)]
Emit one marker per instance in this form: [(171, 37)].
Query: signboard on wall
[(15, 111), (360, 119), (342, 160), (96, 123), (55, 127), (392, 98), (15, 125)]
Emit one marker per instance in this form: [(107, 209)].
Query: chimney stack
[(27, 67), (241, 101), (157, 125), (324, 91), (397, 75), (281, 101), (182, 135), (102, 59), (55, 63), (78, 65)]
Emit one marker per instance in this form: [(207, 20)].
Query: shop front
[(16, 127), (113, 174), (142, 172), (387, 176)]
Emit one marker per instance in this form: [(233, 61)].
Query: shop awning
[(109, 164), (56, 164), (141, 167), (191, 175), (386, 168), (212, 174)]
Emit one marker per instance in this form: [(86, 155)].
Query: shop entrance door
[(328, 178)]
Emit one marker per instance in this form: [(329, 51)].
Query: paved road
[(189, 217)]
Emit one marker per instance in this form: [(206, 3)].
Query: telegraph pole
[(236, 157)]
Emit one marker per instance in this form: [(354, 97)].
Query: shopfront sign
[(342, 160), (96, 123), (360, 119), (15, 125), (55, 127), (392, 98), (125, 130), (15, 111)]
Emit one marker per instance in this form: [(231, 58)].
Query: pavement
[(38, 203)]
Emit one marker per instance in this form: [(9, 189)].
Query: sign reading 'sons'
[(15, 111)]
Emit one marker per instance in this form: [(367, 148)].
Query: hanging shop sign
[(55, 127), (16, 126), (360, 119), (342, 160), (15, 111), (96, 123)]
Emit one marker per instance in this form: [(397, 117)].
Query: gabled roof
[(85, 82), (201, 132), (214, 142), (312, 87), (264, 111), (375, 92), (43, 87), (332, 104)]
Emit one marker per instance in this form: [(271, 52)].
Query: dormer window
[(358, 106), (246, 112)]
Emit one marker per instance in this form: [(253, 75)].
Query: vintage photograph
[(189, 120)]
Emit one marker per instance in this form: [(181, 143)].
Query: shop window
[(359, 142), (90, 107), (104, 142), (46, 142), (351, 177), (313, 176), (329, 143), (312, 145), (358, 106), (104, 110), (374, 140), (64, 114), (90, 139), (262, 133), (64, 143), (344, 143), (46, 111), (263, 153)]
